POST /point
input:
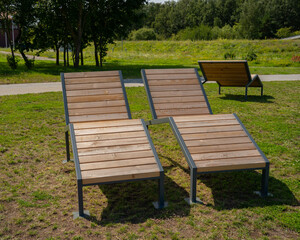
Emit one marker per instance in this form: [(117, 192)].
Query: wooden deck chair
[(108, 146), (210, 143), (230, 74)]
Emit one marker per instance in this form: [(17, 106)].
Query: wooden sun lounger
[(210, 143), (230, 74), (108, 146)]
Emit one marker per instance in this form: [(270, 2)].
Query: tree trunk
[(57, 54), (81, 55), (23, 55), (96, 53), (65, 62), (68, 58)]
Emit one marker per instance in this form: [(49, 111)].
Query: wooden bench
[(230, 74), (210, 143), (108, 146)]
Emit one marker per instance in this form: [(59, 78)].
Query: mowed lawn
[(273, 57), (38, 193)]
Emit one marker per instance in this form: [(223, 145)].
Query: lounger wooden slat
[(109, 136), (116, 156), (108, 146), (230, 74), (210, 143)]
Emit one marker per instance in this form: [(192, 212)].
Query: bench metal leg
[(193, 199), (246, 93), (262, 91), (81, 212), (265, 182), (161, 193)]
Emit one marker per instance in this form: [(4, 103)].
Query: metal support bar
[(161, 193), (67, 146), (246, 93), (81, 212), (262, 91), (265, 181), (193, 184)]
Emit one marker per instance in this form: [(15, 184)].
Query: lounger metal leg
[(161, 194), (265, 182), (246, 93), (193, 199), (67, 148), (81, 212)]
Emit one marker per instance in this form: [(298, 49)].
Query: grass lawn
[(273, 57), (38, 193)]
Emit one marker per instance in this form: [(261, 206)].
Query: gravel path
[(15, 89)]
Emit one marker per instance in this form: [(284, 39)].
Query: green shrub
[(284, 32), (12, 61), (29, 63), (201, 32), (143, 34), (251, 55)]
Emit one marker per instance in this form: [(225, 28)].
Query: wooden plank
[(109, 136), (114, 149), (115, 142), (221, 148), (223, 65), (204, 118), (219, 155), (96, 104), (218, 141), (178, 99), (173, 82), (182, 125), (93, 92), (87, 118), (234, 76), (162, 77), (211, 129), (73, 81), (117, 164), (94, 111), (177, 105), (169, 71), (230, 164), (203, 136), (182, 111), (118, 123), (116, 156), (101, 130), (95, 98), (174, 88), (176, 93), (120, 174), (85, 86), (91, 74)]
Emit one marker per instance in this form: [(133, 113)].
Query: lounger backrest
[(226, 73), (94, 96), (175, 92)]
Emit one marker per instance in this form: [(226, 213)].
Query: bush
[(251, 55), (202, 32), (12, 61), (284, 32), (143, 34)]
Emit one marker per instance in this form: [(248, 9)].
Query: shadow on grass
[(132, 202), (236, 190), (251, 98), (49, 68)]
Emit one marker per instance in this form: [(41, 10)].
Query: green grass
[(274, 57), (38, 193)]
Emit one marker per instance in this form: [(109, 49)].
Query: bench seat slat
[(109, 136), (215, 135), (221, 148)]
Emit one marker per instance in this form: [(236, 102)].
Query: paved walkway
[(15, 89)]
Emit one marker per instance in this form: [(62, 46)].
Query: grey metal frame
[(250, 79), (70, 129), (193, 168)]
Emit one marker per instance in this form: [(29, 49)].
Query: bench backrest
[(175, 92), (94, 96), (226, 73)]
